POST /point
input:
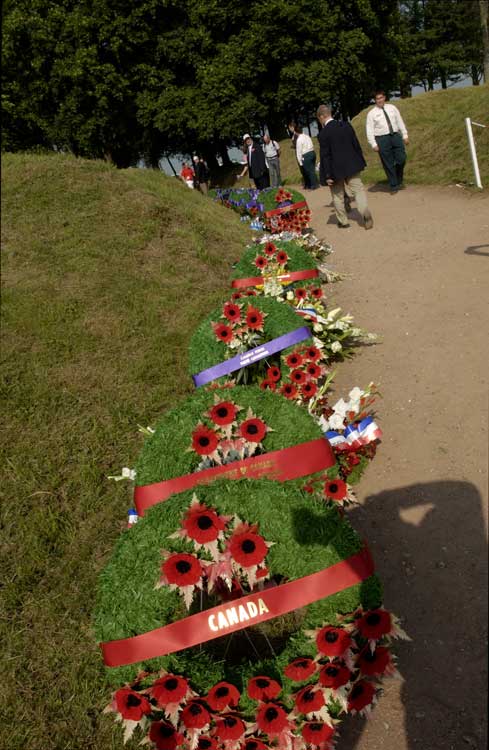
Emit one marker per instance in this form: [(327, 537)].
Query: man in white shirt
[(306, 156), (272, 156), (387, 134)]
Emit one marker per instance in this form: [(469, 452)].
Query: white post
[(473, 153)]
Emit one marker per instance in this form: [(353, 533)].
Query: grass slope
[(105, 274)]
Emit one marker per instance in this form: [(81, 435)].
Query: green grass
[(105, 274)]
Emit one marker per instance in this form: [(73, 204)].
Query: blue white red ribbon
[(356, 435)]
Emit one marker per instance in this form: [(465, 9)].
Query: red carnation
[(207, 743), (374, 624), (131, 705), (270, 249), (165, 736), (288, 390), (313, 353), (223, 332), (300, 669), (294, 360), (268, 384), (223, 413), (195, 715), (271, 718), (204, 440), (202, 524), (254, 318), (317, 292), (297, 376), (335, 489), (169, 689), (308, 701), (222, 695), (300, 293), (361, 696), (253, 430), (374, 664), (232, 312), (182, 569), (229, 727), (263, 688), (261, 261), (332, 641), (316, 733), (253, 744), (313, 371), (273, 373), (248, 549), (308, 390), (334, 675), (282, 257)]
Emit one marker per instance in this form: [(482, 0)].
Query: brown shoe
[(368, 222)]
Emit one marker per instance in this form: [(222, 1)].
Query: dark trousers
[(393, 157), (262, 182), (309, 170)]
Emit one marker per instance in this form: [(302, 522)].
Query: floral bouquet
[(285, 210), (244, 616), (270, 266)]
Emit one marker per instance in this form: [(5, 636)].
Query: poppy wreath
[(246, 201), (292, 676), (271, 259), (285, 210)]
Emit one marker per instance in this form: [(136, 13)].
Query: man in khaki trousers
[(341, 162)]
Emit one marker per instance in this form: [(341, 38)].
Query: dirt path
[(420, 279)]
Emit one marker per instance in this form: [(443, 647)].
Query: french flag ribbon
[(310, 312), (355, 435)]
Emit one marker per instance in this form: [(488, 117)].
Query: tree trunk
[(484, 9), (443, 79), (474, 74)]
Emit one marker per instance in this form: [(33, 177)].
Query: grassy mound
[(104, 274)]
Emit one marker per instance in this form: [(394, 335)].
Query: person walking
[(272, 156), (201, 175), (187, 175), (306, 156), (255, 163), (387, 134), (341, 162)]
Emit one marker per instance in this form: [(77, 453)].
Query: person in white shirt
[(272, 156), (306, 157), (387, 134)]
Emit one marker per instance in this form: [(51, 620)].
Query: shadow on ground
[(429, 545), (475, 250)]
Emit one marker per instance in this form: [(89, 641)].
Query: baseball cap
[(246, 135)]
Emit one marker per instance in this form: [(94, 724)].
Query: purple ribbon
[(251, 356)]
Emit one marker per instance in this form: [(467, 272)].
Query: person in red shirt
[(187, 175)]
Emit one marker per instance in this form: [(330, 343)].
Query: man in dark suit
[(256, 165), (341, 161)]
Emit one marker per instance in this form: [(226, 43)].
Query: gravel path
[(420, 279)]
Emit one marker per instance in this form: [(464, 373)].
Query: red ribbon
[(260, 280), (288, 463), (239, 613), (286, 209)]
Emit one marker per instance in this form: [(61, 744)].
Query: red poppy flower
[(195, 715), (374, 664), (229, 727), (253, 744), (300, 293), (374, 624), (250, 293), (313, 371), (182, 569), (362, 695), (204, 440), (288, 390), (317, 292), (268, 384), (297, 376), (223, 332), (248, 549), (169, 689), (271, 718), (334, 675), (164, 735), (202, 524), (254, 318), (223, 413), (293, 360), (270, 249), (273, 373), (131, 705), (335, 489), (222, 695), (207, 743), (316, 733), (232, 312), (309, 390), (236, 295), (312, 352), (261, 261), (300, 669), (332, 641), (282, 257), (308, 701), (253, 430), (263, 688)]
